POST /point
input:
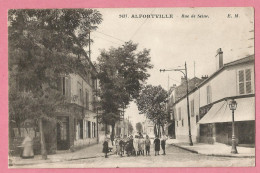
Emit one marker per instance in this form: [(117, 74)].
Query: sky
[(176, 40)]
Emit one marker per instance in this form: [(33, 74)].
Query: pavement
[(95, 152), (89, 152), (216, 149)]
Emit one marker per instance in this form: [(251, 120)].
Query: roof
[(247, 59)]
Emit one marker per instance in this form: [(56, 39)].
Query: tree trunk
[(106, 129), (155, 130), (159, 130), (19, 128), (43, 146), (113, 132)]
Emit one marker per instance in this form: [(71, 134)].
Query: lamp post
[(184, 72), (233, 106)]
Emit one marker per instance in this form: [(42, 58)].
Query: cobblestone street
[(175, 157)]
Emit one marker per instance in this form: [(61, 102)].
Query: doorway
[(63, 133)]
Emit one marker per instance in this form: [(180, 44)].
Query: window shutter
[(208, 94), (67, 87), (179, 114), (241, 82), (248, 81), (192, 108), (175, 113), (87, 100)]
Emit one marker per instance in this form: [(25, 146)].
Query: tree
[(152, 103), (122, 73), (139, 127), (43, 45)]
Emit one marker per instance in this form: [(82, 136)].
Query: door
[(63, 133)]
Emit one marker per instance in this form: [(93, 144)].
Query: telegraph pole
[(184, 72), (188, 105)]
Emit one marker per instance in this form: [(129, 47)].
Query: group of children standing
[(136, 146)]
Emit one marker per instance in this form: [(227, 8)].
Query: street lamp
[(184, 72), (233, 106)]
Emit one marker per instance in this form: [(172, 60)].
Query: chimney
[(204, 77), (219, 59), (183, 80)]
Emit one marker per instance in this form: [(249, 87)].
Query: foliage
[(152, 103), (43, 44), (122, 72), (139, 127)]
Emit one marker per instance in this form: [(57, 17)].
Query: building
[(176, 93), (148, 128), (78, 123), (210, 116)]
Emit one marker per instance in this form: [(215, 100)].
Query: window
[(94, 129), (209, 99), (177, 123), (89, 130), (182, 122), (245, 81), (80, 93), (63, 86), (81, 129), (87, 100), (179, 111), (192, 108)]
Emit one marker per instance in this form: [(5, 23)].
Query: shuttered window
[(245, 81), (179, 111), (192, 108), (87, 100), (248, 81), (209, 94), (241, 80)]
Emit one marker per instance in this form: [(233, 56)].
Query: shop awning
[(220, 112)]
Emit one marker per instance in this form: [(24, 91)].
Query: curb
[(187, 149), (217, 155), (62, 160)]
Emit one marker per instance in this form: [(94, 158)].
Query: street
[(175, 157)]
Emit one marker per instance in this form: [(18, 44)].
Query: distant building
[(148, 128)]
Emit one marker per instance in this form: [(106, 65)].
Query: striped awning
[(220, 112)]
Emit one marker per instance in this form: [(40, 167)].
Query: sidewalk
[(93, 151), (217, 149)]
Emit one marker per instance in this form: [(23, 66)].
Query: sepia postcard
[(131, 87)]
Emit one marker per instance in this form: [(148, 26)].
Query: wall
[(224, 84), (182, 132)]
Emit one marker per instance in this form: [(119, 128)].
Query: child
[(105, 147), (163, 143), (142, 141), (147, 145), (157, 145), (121, 144), (117, 145), (135, 145)]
